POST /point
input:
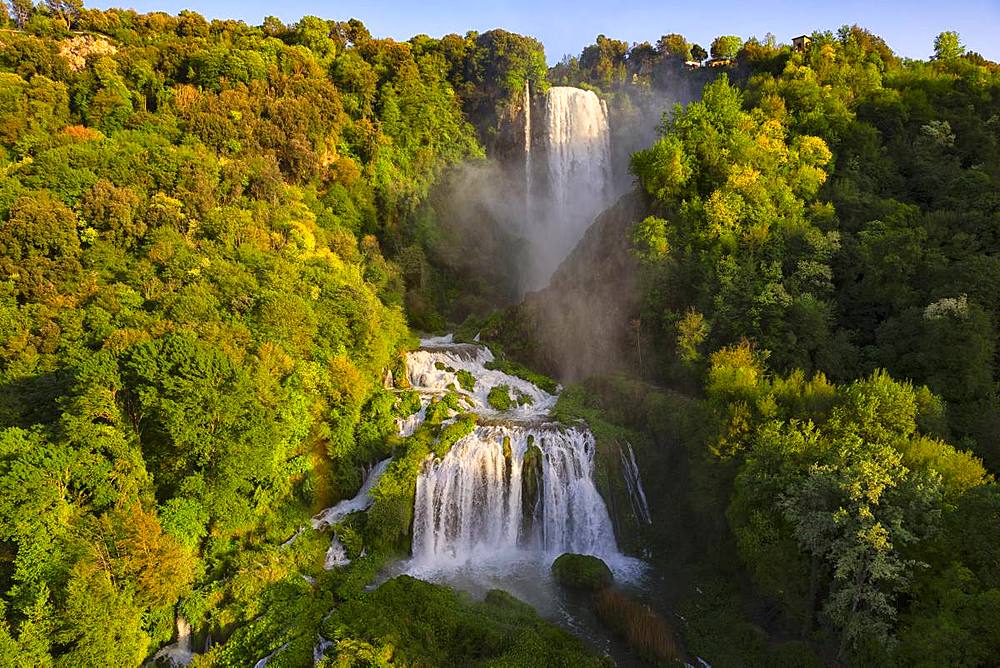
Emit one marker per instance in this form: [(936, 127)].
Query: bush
[(524, 373), (582, 571)]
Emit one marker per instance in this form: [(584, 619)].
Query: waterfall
[(328, 517), (178, 653), (486, 498), (519, 487), (578, 156), (633, 482), (527, 149)]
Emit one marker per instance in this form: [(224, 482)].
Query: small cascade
[(267, 659), (337, 554), (180, 653), (518, 488), (320, 649), (435, 368), (633, 482)]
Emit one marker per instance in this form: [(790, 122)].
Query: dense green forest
[(217, 239)]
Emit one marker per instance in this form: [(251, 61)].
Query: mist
[(526, 224)]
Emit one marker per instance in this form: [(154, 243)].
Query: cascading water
[(579, 148), (633, 482), (578, 172), (511, 488), (180, 652), (527, 149), (336, 555), (518, 488)]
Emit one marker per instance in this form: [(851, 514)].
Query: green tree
[(673, 46), (726, 46), (947, 46)]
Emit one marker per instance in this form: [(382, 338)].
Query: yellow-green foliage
[(195, 312), (827, 473)]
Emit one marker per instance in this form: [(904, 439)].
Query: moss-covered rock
[(407, 403), (390, 517), (524, 373), (466, 380), (582, 571), (531, 483), (499, 398)]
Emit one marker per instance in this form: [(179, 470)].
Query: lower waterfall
[(507, 488), (519, 488)]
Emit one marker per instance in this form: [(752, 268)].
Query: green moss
[(524, 373), (407, 403), (466, 380), (531, 482), (349, 536), (442, 408), (499, 398), (581, 571), (430, 625)]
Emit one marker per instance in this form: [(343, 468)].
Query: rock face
[(582, 571), (75, 50), (580, 325)]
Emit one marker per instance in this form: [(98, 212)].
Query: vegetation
[(409, 622), (214, 238), (647, 634), (800, 280), (581, 571), (499, 398), (209, 233), (466, 380)]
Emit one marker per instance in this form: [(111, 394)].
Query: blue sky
[(566, 27)]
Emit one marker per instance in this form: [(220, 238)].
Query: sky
[(565, 27)]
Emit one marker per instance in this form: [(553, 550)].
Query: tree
[(726, 46), (67, 10), (21, 11), (947, 46), (698, 52), (674, 46)]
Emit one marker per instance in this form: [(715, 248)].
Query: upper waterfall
[(577, 146)]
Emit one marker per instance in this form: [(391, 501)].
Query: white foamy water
[(433, 371), (577, 169), (178, 653), (480, 500), (633, 482), (336, 555), (518, 489)]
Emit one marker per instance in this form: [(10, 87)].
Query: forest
[(219, 241)]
